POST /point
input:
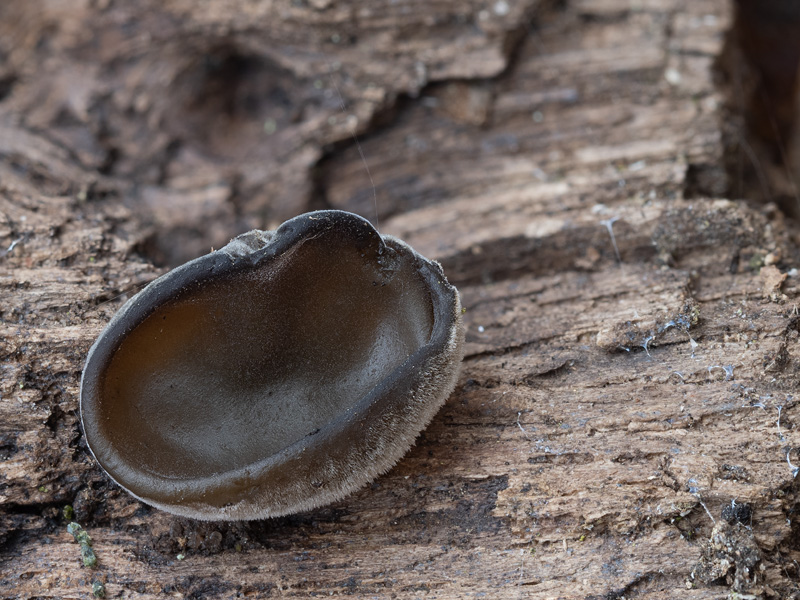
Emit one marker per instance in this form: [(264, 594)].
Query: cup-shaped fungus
[(275, 375)]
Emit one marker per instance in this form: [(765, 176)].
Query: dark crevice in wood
[(758, 76), (385, 205)]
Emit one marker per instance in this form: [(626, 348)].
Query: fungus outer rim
[(439, 359)]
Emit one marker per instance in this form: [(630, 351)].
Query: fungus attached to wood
[(275, 375)]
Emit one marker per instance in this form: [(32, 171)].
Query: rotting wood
[(214, 116), (602, 407)]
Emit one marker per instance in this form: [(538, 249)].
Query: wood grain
[(611, 413)]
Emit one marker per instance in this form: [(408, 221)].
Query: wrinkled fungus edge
[(376, 449)]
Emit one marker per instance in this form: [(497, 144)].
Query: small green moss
[(87, 554), (180, 556), (68, 512), (79, 533), (42, 488), (98, 589), (756, 262)]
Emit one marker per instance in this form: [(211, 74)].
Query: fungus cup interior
[(234, 386)]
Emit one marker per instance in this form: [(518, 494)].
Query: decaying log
[(624, 421)]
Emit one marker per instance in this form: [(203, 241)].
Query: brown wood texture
[(624, 423)]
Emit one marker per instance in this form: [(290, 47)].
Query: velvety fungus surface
[(274, 375)]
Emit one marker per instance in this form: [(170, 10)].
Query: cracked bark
[(600, 402)]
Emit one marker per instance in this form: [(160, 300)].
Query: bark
[(624, 421)]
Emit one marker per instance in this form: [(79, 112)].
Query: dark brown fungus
[(275, 375)]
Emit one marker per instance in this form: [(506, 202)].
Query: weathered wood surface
[(604, 409)]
